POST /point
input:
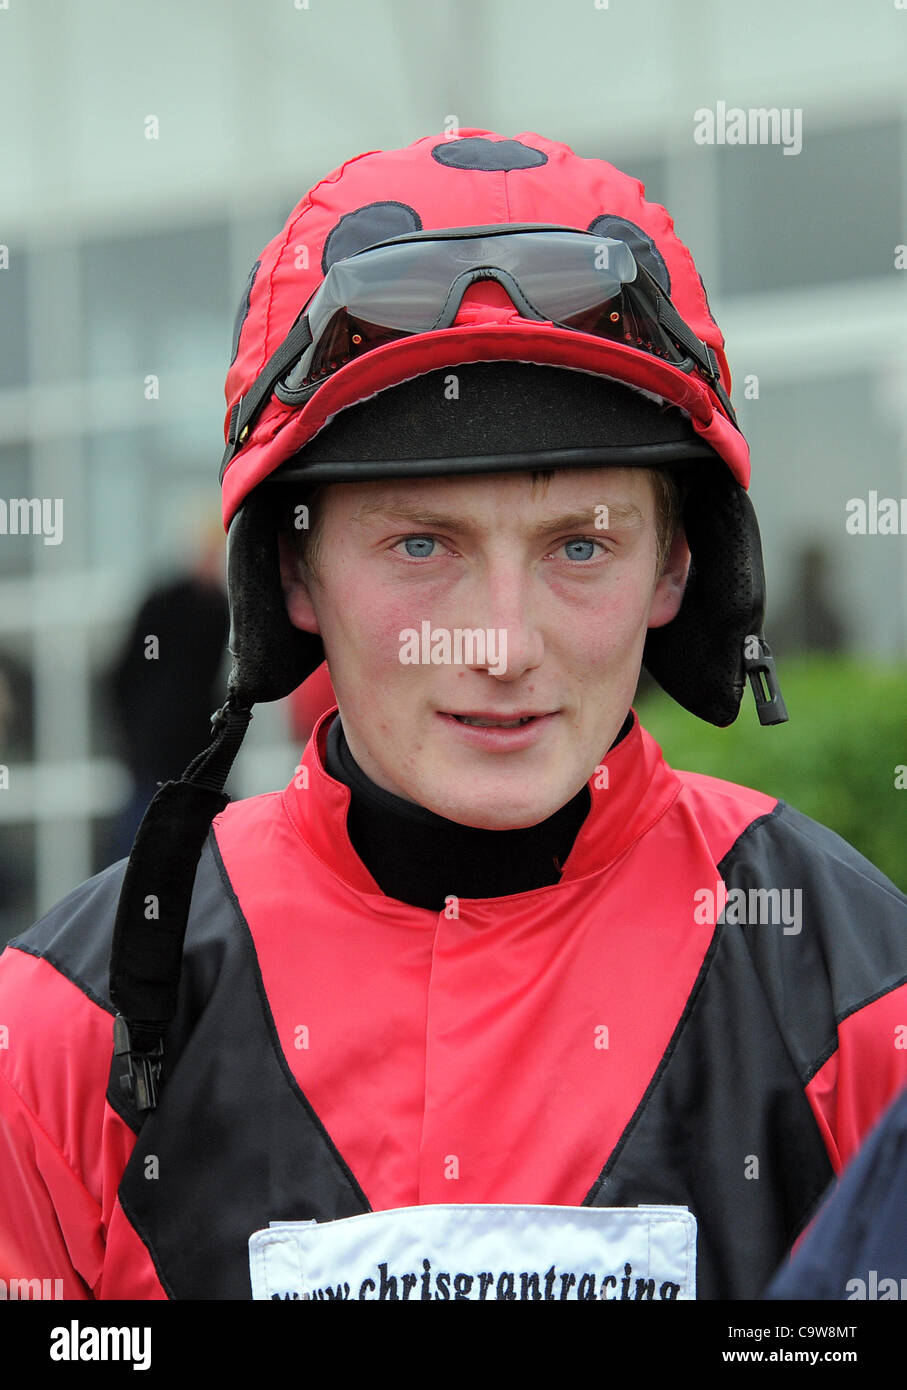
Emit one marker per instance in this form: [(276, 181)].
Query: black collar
[(421, 858)]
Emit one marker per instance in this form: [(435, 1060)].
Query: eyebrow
[(623, 514)]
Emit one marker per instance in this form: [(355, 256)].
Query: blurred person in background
[(811, 621), (163, 685)]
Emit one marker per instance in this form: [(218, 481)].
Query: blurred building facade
[(150, 153)]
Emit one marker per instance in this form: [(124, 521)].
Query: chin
[(499, 810)]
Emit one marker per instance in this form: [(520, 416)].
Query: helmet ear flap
[(698, 658), (271, 657)]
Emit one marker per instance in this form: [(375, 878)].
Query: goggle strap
[(702, 352), (726, 402), (671, 320), (248, 406)]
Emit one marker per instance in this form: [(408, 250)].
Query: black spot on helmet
[(495, 156), (366, 225), (639, 242)]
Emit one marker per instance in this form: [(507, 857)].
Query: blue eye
[(578, 550), (422, 546), (586, 554)]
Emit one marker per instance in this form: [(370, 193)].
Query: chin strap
[(147, 949)]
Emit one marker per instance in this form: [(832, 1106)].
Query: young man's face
[(527, 565)]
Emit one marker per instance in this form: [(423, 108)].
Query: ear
[(669, 590), (296, 590)]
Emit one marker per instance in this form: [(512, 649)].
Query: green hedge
[(836, 760)]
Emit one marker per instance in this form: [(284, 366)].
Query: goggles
[(415, 283)]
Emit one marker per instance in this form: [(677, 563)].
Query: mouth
[(481, 721), (484, 729)]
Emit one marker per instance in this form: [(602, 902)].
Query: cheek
[(362, 629), (612, 625)]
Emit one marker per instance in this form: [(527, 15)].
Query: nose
[(514, 642)]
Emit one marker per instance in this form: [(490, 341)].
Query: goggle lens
[(573, 279)]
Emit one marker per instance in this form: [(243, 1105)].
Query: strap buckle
[(759, 665), (219, 718), (140, 1084)]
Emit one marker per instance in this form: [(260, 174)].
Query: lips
[(496, 731), (496, 721), (491, 723)]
